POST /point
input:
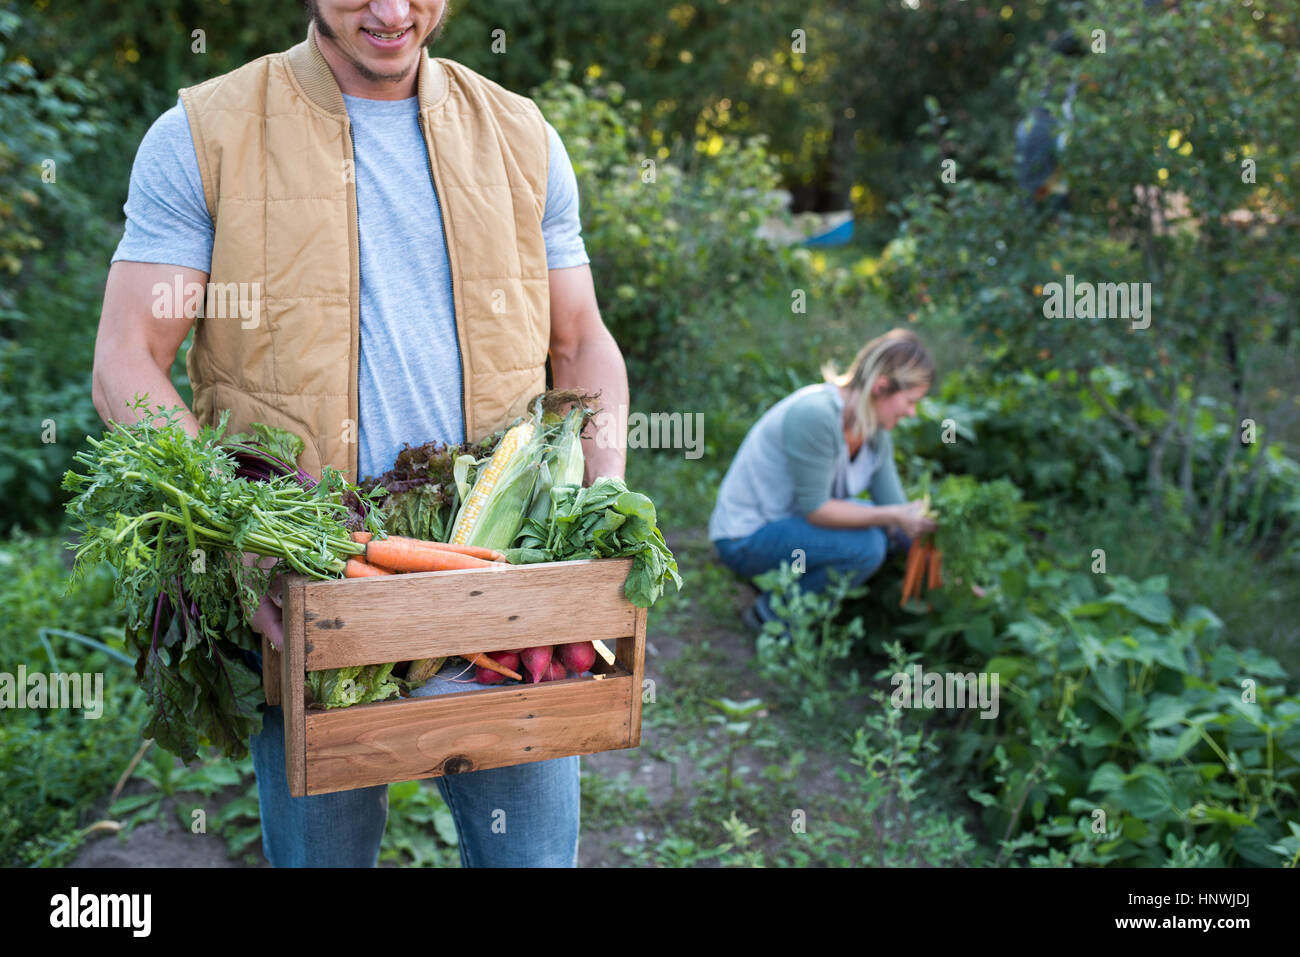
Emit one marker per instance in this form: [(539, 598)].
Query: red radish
[(578, 656), (554, 671), (537, 660), (486, 676), (509, 659)]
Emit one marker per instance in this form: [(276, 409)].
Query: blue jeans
[(520, 816), (857, 552)]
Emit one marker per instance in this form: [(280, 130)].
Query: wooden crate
[(335, 624)]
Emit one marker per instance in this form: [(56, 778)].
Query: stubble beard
[(364, 71)]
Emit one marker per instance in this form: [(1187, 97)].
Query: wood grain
[(432, 614), (270, 672), (631, 654), (467, 731), (293, 679), (368, 621)]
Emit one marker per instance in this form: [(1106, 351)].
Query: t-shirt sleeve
[(561, 226), (167, 217), (886, 488), (812, 440)]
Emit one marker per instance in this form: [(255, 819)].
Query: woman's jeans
[(856, 552), (520, 816)]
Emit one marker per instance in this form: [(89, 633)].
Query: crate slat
[(270, 672), (351, 622), (368, 621), (293, 680), (467, 731), (632, 651)]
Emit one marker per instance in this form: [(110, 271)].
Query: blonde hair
[(900, 356)]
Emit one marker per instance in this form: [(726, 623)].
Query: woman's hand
[(912, 520)]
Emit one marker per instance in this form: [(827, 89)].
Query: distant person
[(1040, 140), (793, 484)]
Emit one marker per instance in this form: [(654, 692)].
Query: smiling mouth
[(388, 36)]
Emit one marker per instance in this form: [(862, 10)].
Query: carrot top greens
[(172, 516)]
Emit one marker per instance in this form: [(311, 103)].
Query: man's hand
[(268, 620)]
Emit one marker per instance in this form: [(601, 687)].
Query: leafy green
[(419, 494), (343, 687), (979, 522), (604, 520), (168, 514), (281, 443)]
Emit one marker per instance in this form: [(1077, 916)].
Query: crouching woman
[(793, 486)]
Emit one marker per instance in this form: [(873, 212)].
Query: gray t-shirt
[(409, 373), (794, 458)]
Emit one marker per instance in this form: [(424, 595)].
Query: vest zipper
[(451, 276), (354, 334)]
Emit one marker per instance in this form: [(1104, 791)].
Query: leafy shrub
[(55, 762), (666, 231), (1114, 702), (803, 645), (1181, 192), (53, 248), (906, 826), (982, 424)]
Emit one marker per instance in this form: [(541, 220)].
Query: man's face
[(381, 40)]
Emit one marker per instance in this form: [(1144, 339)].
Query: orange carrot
[(361, 538), (935, 579), (483, 661), (912, 575), (408, 557), (487, 554), (356, 568)]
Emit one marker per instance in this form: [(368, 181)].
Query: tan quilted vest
[(275, 153)]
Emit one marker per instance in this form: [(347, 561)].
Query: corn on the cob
[(424, 669), (495, 507)]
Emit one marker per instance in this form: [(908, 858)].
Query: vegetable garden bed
[(350, 622)]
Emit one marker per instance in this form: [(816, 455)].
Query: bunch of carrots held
[(924, 569)]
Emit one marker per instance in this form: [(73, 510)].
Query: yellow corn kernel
[(510, 444)]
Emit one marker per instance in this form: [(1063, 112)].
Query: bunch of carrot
[(924, 569), (395, 554)]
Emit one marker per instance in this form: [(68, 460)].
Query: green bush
[(980, 424), (53, 248), (55, 762), (1180, 143), (1124, 724), (667, 232)]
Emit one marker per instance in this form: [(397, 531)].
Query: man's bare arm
[(134, 352), (135, 349), (585, 356)]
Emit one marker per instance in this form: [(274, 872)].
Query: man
[(391, 248)]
